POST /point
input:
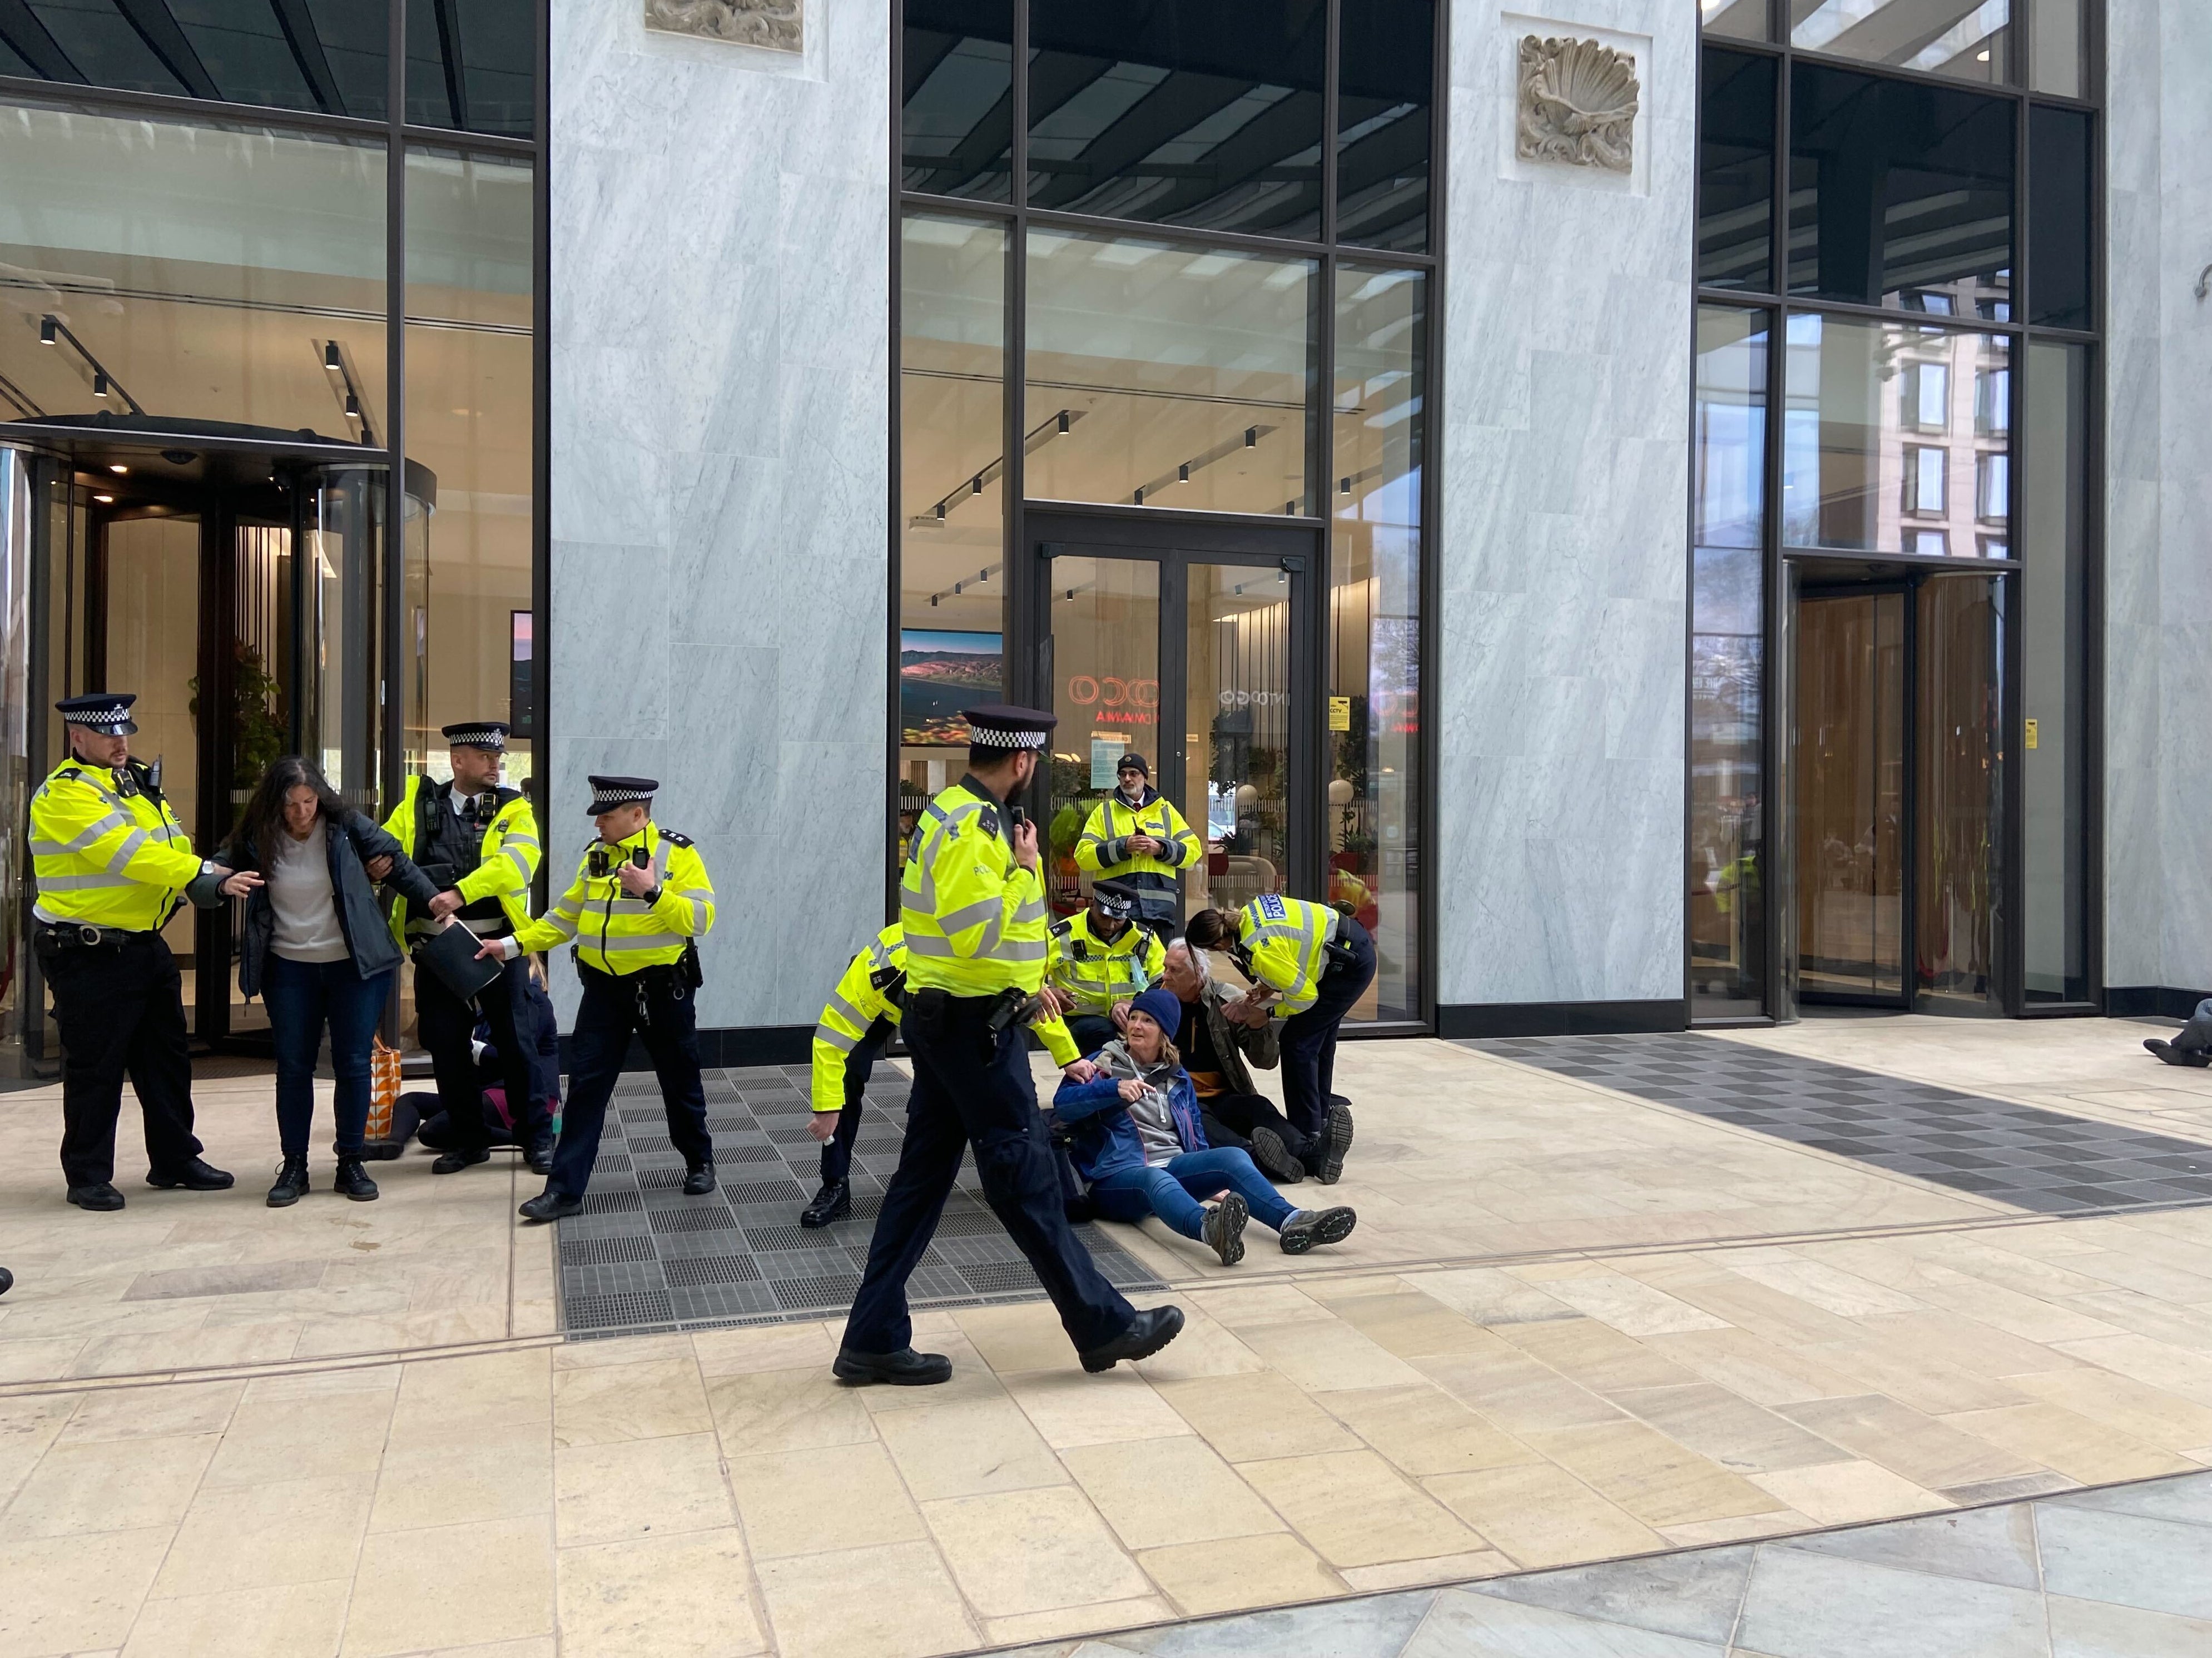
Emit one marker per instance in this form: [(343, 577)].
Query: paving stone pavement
[(643, 1257), (2121, 1572), (2033, 1159)]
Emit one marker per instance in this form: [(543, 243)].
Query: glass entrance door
[(1188, 656)]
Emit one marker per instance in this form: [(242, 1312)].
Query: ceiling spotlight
[(104, 501), (940, 512), (48, 331), (1063, 424), (1183, 473), (352, 406), (99, 382), (975, 484), (330, 357), (1289, 510), (117, 468), (1343, 486), (1251, 437), (1140, 498)]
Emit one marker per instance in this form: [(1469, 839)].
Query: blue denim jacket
[(1103, 1140)]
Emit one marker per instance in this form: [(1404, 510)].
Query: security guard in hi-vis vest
[(635, 913), (1136, 837), (972, 911), (478, 841), (113, 865), (856, 1024), (1102, 960)]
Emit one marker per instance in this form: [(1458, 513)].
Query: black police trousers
[(1309, 1039), (972, 1086), (859, 1065), (605, 1019), (121, 1010), (447, 1024)]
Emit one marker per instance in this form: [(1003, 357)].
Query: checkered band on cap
[(476, 734), (986, 737), (107, 713), (618, 795)]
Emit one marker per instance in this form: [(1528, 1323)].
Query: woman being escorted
[(1138, 1141), (318, 953)]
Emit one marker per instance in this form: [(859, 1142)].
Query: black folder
[(452, 955)]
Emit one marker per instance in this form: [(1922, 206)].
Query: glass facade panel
[(1901, 194), (1380, 430), (1105, 632), (1727, 869), (468, 64), (1168, 376), (1178, 112), (1959, 799), (2059, 55), (956, 131), (952, 587), (1736, 172), (2054, 762), (190, 270), (2060, 165), (1968, 40), (1891, 434), (1237, 704), (1742, 19), (470, 229), (1385, 83)]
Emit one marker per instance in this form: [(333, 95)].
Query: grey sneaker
[(1307, 1227), (1224, 1229)]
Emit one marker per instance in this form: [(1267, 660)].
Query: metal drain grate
[(829, 1289), (776, 1191), (615, 1202), (600, 1251), (713, 1269), (692, 1220), (600, 1312)]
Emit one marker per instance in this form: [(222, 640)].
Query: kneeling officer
[(636, 910)]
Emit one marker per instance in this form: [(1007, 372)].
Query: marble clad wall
[(2158, 813), (720, 448), (1566, 401)]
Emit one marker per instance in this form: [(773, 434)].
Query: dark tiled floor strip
[(2017, 1154), (2117, 1573), (642, 1256)]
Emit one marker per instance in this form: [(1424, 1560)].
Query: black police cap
[(477, 734), (1005, 726), (608, 792), (106, 712)]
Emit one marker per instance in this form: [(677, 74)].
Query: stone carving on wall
[(776, 24), (1578, 104)]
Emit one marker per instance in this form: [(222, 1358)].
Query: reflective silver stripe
[(837, 1004), (123, 854), (1019, 949), (1032, 909), (644, 941), (925, 943), (837, 1039), (530, 841), (699, 916), (629, 907), (967, 915), (521, 861), (85, 882), (1093, 839), (81, 839), (878, 954)]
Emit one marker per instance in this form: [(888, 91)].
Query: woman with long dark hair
[(319, 953)]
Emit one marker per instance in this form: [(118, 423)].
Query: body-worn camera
[(480, 808), (603, 859)]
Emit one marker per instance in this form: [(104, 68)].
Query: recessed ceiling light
[(1983, 56), (104, 501), (117, 468)]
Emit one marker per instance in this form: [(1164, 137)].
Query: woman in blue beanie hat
[(1137, 1140)]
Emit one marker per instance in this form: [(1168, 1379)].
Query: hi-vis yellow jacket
[(618, 933), (1104, 847), (1099, 972), (105, 858), (1287, 939), (510, 853), (975, 920)]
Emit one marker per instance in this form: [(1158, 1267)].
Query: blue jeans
[(302, 996), (1172, 1192)]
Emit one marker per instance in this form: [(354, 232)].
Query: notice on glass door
[(1105, 755)]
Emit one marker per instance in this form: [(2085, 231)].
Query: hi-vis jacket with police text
[(1099, 972), (873, 988), (1287, 940), (509, 855), (618, 933), (1104, 847), (106, 858)]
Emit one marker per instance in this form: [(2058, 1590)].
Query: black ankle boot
[(354, 1181), (291, 1183)]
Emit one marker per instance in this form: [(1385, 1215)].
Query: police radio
[(603, 860)]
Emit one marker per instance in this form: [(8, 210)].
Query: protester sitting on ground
[(318, 953), (1221, 1029), (419, 1115), (2191, 1044), (1138, 1140)]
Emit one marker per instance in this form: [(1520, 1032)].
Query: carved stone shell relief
[(1577, 105), (775, 24)]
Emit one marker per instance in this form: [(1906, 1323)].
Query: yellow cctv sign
[(1339, 713)]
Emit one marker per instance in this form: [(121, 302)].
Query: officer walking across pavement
[(113, 865), (1102, 959), (1307, 965), (1136, 837), (972, 910), (478, 842), (635, 913)]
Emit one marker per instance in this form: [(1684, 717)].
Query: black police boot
[(291, 1183), (460, 1158), (551, 1205), (540, 1157), (98, 1195), (193, 1174), (700, 1180), (1149, 1332), (1304, 1228), (1333, 1142), (903, 1369), (2174, 1055), (352, 1181), (833, 1202), (1274, 1157), (382, 1151)]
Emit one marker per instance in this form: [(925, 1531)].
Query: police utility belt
[(51, 936), (1009, 1007)]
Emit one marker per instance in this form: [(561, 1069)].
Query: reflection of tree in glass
[(257, 721)]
